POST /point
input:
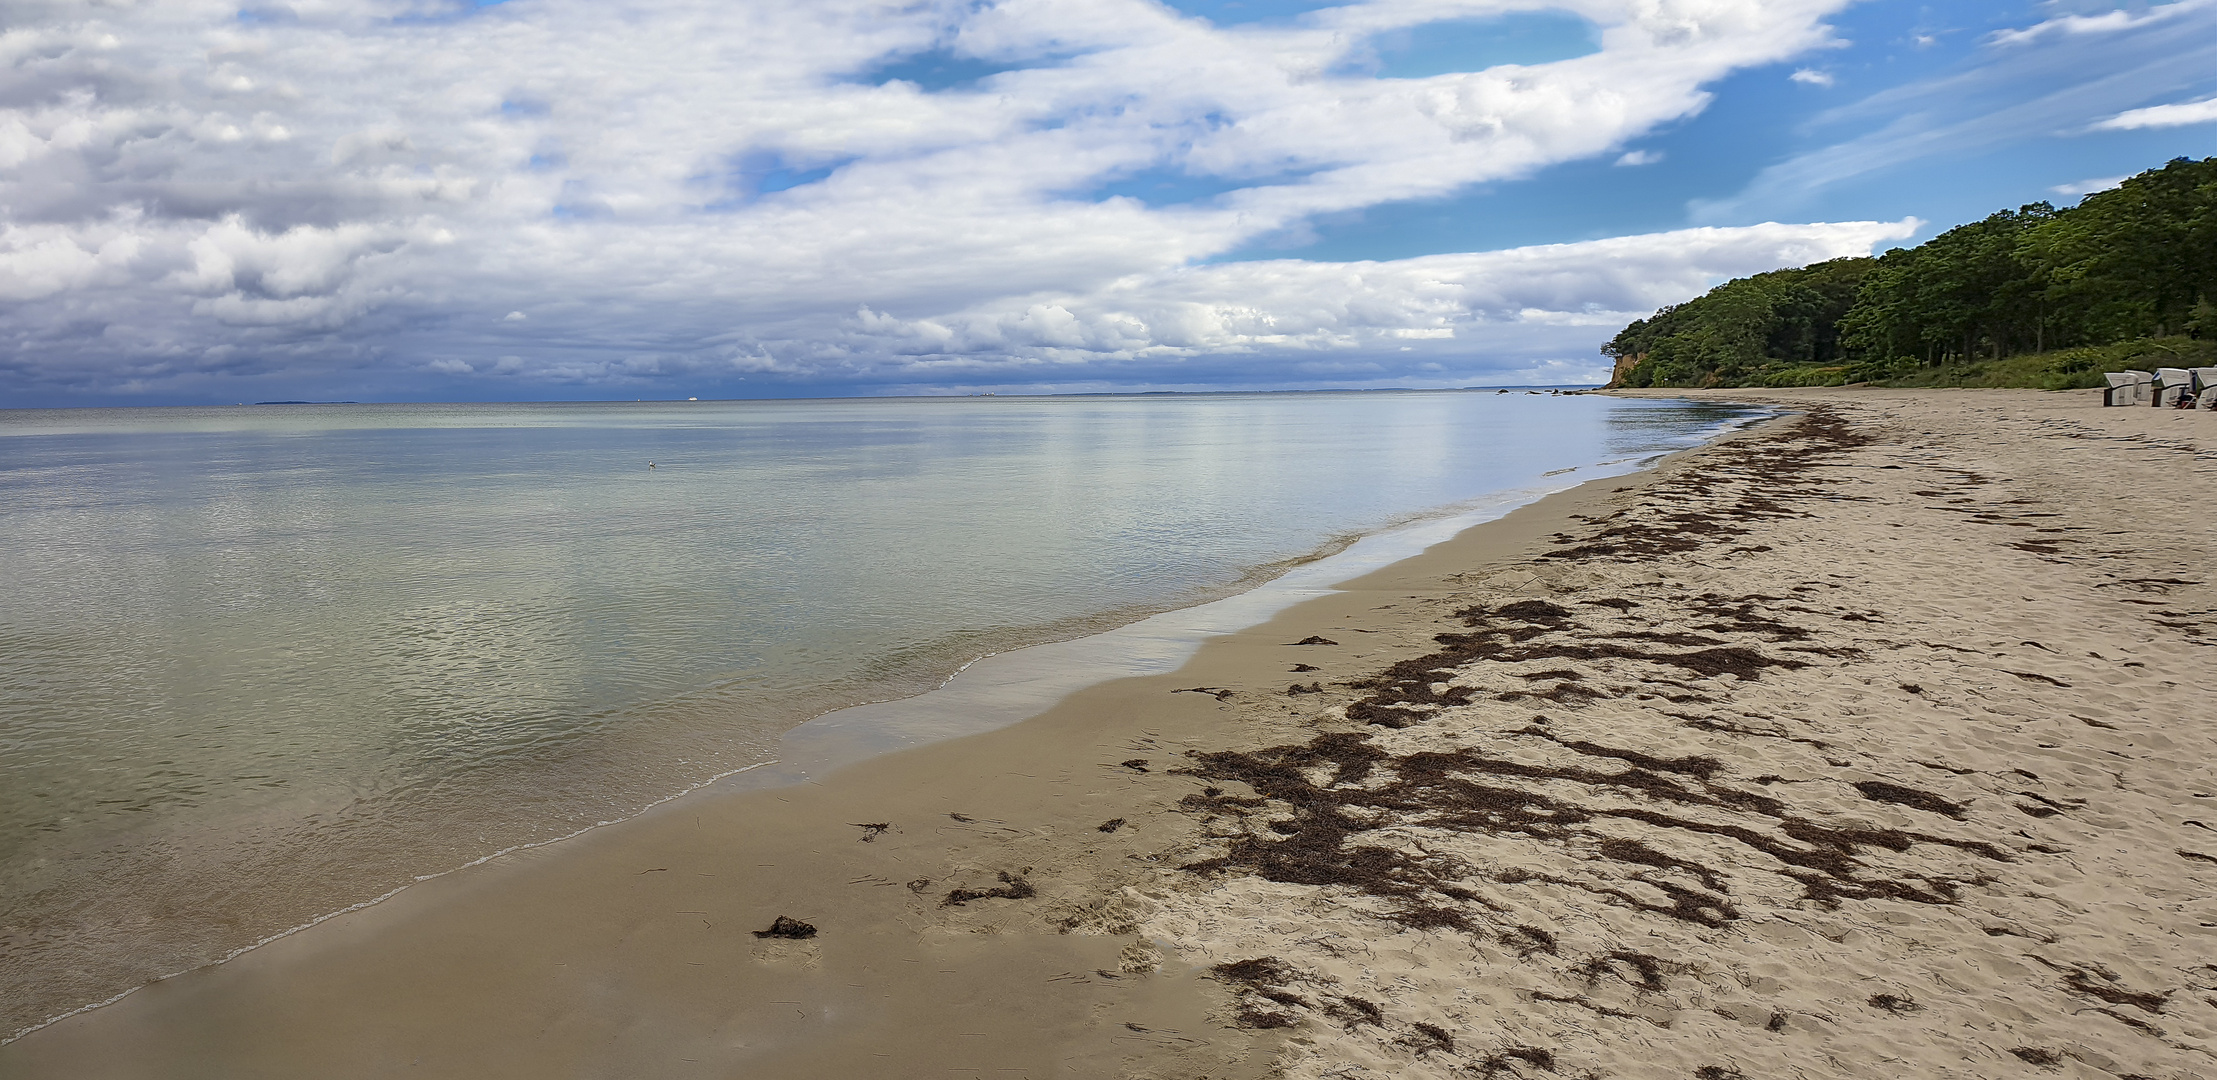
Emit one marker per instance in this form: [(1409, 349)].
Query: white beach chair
[(2203, 387), (2170, 383), (2126, 388)]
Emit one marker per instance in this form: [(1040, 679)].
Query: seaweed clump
[(1257, 981), (1506, 1058), (783, 927), (1012, 887), (1881, 791), (1425, 1038)]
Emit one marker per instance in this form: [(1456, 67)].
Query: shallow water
[(258, 663)]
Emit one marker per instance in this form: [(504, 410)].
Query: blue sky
[(1707, 164), (556, 199)]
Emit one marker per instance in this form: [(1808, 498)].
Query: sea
[(262, 663)]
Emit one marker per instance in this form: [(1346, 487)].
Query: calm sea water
[(259, 663)]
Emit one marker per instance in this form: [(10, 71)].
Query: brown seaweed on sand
[(1260, 985), (1322, 807), (1881, 791), (1508, 1058), (1012, 887)]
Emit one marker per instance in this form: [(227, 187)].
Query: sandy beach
[(1874, 742)]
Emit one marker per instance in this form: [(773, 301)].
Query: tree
[(2137, 261)]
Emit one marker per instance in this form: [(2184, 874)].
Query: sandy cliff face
[(1623, 368)]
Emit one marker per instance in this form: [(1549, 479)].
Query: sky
[(448, 200)]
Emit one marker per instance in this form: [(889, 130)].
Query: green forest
[(2037, 296)]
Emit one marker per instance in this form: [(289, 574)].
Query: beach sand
[(1873, 743)]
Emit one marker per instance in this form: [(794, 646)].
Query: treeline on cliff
[(2035, 296)]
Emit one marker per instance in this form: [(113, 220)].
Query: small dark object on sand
[(1137, 764), (1306, 667), (872, 830), (1011, 888), (1313, 639), (1895, 1003), (963, 818), (1297, 689), (1429, 1037), (2036, 1056), (1719, 1072), (787, 928), (1111, 825)]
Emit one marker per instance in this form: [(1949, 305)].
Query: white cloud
[(2088, 187), (39, 261), (672, 186), (1812, 77), (2156, 116), (1283, 313), (2109, 22), (1640, 157)]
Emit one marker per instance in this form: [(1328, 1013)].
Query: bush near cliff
[(2036, 296)]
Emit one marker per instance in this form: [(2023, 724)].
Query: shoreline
[(788, 769), (85, 977), (1094, 947), (1015, 685)]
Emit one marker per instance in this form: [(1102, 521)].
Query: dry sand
[(1876, 744)]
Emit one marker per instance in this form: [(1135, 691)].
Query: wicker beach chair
[(2126, 387)]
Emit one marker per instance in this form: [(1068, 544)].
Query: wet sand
[(1872, 744)]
